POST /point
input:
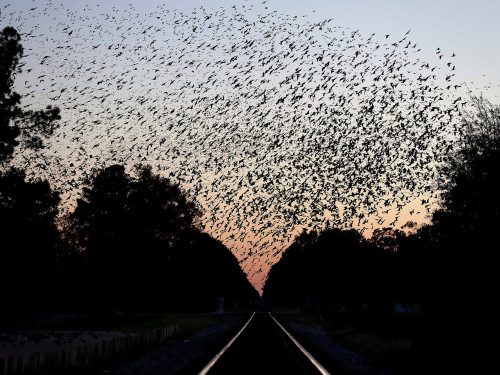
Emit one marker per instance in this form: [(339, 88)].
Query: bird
[(267, 121)]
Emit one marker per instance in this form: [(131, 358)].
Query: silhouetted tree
[(288, 282), (139, 237), (470, 177), (128, 228), (462, 238), (206, 270), (464, 228), (29, 241), (387, 238), (16, 124), (332, 269), (29, 236), (340, 268), (163, 208)]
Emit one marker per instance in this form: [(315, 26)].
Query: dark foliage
[(464, 229), (334, 269), (446, 266), (132, 244), (463, 240), (205, 270), (140, 246), (29, 242), (17, 125)]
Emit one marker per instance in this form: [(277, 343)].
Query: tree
[(330, 269), (464, 228), (30, 240), (140, 239), (164, 210), (288, 283), (340, 268), (100, 215), (129, 228), (204, 269), (463, 237), (387, 238), (28, 209), (117, 210), (470, 199), (16, 124)]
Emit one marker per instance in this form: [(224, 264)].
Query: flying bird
[(271, 123)]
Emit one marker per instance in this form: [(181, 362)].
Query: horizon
[(234, 168)]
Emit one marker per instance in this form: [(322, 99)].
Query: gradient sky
[(470, 30)]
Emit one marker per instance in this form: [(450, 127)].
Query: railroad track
[(263, 346)]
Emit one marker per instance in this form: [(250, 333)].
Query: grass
[(188, 324), (117, 322), (397, 343), (124, 323)]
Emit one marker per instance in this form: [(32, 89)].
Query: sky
[(260, 178), (469, 29)]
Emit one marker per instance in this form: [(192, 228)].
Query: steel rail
[(218, 355), (320, 368)]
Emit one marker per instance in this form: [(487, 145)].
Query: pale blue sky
[(470, 29)]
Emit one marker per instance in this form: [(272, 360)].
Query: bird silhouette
[(270, 122)]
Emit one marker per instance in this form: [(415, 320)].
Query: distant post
[(220, 305)]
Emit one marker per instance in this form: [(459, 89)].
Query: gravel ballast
[(189, 356), (349, 361), (180, 355)]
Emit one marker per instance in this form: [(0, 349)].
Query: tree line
[(446, 265), (133, 242)]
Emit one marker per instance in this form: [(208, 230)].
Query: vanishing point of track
[(263, 346)]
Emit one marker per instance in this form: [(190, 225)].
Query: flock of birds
[(271, 122)]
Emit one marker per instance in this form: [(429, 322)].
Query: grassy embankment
[(401, 343), (46, 329)]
